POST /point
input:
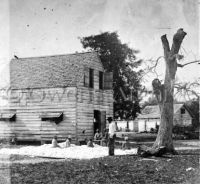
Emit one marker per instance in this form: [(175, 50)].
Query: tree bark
[(164, 137)]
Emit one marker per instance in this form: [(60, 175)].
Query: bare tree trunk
[(164, 137), (166, 91), (164, 94)]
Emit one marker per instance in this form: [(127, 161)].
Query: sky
[(50, 27)]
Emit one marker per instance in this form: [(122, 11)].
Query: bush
[(183, 132), (154, 130)]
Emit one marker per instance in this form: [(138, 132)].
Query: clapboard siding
[(79, 108), (28, 124), (86, 107), (184, 119)]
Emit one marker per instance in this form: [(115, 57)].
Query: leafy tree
[(120, 59)]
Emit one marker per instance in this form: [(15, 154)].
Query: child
[(126, 144), (90, 143), (67, 143), (54, 142), (70, 138), (97, 135), (13, 141)]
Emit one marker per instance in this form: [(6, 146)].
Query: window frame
[(182, 111), (91, 78)]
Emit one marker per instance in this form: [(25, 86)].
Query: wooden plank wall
[(30, 103), (90, 99), (182, 119)]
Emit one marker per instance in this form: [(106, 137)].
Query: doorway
[(99, 120)]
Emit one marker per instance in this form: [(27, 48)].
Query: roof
[(51, 71), (153, 111)]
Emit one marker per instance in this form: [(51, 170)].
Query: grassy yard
[(129, 169)]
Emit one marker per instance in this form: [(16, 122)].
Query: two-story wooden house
[(57, 95)]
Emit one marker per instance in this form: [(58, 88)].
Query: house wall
[(141, 125), (182, 119), (30, 103), (88, 101), (147, 124), (122, 125)]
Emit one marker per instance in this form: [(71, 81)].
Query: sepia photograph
[(99, 91)]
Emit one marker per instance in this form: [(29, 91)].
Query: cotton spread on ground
[(75, 152)]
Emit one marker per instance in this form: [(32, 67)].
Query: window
[(100, 80), (8, 116), (57, 117), (86, 77), (91, 78), (182, 111)]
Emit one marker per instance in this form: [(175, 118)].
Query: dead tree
[(164, 94)]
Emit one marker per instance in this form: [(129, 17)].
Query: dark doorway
[(99, 120)]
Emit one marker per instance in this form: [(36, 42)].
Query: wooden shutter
[(108, 80), (86, 77), (100, 80), (91, 78)]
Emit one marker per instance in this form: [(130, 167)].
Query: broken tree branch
[(182, 65), (165, 44), (189, 89), (177, 40), (151, 69)]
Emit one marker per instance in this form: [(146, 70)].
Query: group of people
[(101, 137), (54, 142), (108, 138)]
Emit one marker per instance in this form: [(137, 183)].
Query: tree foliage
[(120, 59)]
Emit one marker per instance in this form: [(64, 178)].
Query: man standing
[(112, 136)]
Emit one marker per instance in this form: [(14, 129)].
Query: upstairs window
[(91, 78), (182, 111), (100, 80), (86, 77)]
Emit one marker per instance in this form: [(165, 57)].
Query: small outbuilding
[(57, 95), (150, 117)]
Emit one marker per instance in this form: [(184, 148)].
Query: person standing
[(112, 136)]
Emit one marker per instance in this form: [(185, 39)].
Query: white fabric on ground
[(75, 152)]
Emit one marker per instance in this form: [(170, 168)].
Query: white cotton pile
[(74, 152)]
